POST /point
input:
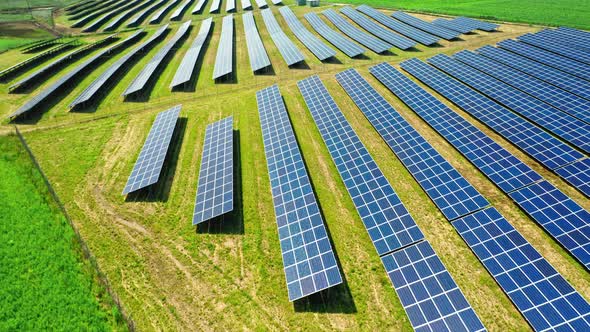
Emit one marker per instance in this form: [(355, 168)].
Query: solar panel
[(246, 4), (556, 37), (139, 17), (374, 44), (377, 30), (308, 258), (342, 43), (476, 24), (256, 51), (261, 4), (428, 293), (536, 142), (215, 5), (386, 219), (448, 189), (215, 191), (187, 65), (96, 13), (550, 94), (580, 37), (116, 22), (277, 2), (574, 32), (110, 14), (399, 27), (570, 129), (140, 81), (559, 48), (314, 44), (230, 5), (96, 8), (452, 25), (426, 26), (548, 74), (199, 7), (551, 59), (288, 50), (149, 164), (159, 15), (577, 174), (499, 165), (540, 293), (225, 50), (177, 14)]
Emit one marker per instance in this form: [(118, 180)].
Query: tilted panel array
[(98, 7), (377, 30), (344, 44), (91, 16), (148, 166), (577, 174), (215, 6), (187, 65), (139, 17), (399, 27), (575, 37), (199, 7), (286, 47), (452, 25), (261, 4), (550, 94), (557, 37), (313, 43), (549, 58), (215, 191), (385, 216), (256, 51), (476, 24), (10, 71), (563, 80), (246, 4), (177, 14), (159, 15), (568, 128), (141, 80), (225, 51), (426, 26), (506, 171), (230, 5), (374, 44), (308, 258), (574, 32), (122, 17), (559, 48), (541, 294), (107, 16)]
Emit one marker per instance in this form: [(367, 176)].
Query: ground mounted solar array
[(139, 17), (225, 54), (177, 14), (287, 48), (344, 44), (476, 24), (452, 25), (151, 159), (314, 44), (374, 44), (215, 6), (117, 21), (159, 15), (107, 16), (560, 48), (230, 5), (256, 51), (261, 4), (308, 258), (199, 6), (426, 26), (246, 4), (187, 65), (215, 191)]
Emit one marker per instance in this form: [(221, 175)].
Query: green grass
[(24, 4), (46, 284), (573, 13), (8, 43)]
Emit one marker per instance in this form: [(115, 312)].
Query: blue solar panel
[(427, 291), (577, 175), (453, 25), (541, 294), (448, 189), (573, 84), (581, 37), (476, 24), (550, 45), (426, 26), (256, 51), (386, 219), (225, 50), (539, 144), (570, 129), (499, 165), (556, 97), (345, 45), (215, 192), (309, 261), (551, 59), (288, 50), (313, 43), (557, 37), (374, 44)]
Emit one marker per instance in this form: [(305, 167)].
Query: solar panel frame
[(148, 166), (377, 30), (344, 44), (177, 14), (287, 48), (186, 68), (373, 43), (308, 258), (425, 26), (215, 6), (452, 25), (225, 50), (215, 190), (256, 52), (314, 44), (559, 48)]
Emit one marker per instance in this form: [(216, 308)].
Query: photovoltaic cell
[(215, 191), (426, 26), (452, 25), (256, 51), (313, 43), (187, 65), (386, 219), (561, 49), (399, 27), (476, 24), (448, 189), (374, 44), (541, 294), (288, 50), (308, 258), (345, 45), (225, 54), (153, 153)]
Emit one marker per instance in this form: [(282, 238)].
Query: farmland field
[(229, 275)]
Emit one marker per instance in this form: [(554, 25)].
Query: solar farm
[(271, 165)]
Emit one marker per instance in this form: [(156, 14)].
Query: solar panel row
[(452, 25), (374, 44), (215, 191), (573, 32), (117, 21), (426, 26), (342, 43), (140, 81), (199, 7), (215, 6), (555, 36), (177, 14), (150, 162), (277, 2), (139, 17), (256, 51), (230, 5), (187, 65), (42, 43), (110, 14), (97, 7), (476, 24), (377, 30), (96, 13), (314, 44), (559, 48), (286, 47), (261, 4), (10, 71), (399, 27), (159, 15), (225, 50), (246, 4), (308, 258)]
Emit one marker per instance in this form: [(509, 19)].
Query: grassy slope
[(572, 13), (170, 278), (46, 284)]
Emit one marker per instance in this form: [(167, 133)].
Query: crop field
[(229, 274)]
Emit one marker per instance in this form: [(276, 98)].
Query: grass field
[(46, 284), (229, 276)]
